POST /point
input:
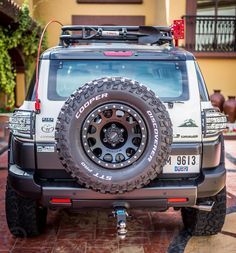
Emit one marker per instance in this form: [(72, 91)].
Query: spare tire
[(113, 135)]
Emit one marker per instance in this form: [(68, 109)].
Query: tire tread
[(202, 223), (24, 217)]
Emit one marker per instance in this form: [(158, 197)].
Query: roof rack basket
[(116, 34)]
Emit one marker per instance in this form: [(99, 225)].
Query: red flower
[(8, 108)]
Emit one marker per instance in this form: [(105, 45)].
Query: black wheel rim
[(114, 136)]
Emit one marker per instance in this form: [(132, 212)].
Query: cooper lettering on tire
[(113, 135)]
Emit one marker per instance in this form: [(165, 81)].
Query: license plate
[(182, 164)]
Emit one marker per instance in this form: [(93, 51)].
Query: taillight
[(22, 123), (177, 200), (213, 122), (60, 201)]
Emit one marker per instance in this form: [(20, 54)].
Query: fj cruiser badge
[(188, 123)]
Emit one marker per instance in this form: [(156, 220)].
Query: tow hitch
[(120, 213)]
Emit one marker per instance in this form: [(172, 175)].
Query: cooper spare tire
[(113, 135)]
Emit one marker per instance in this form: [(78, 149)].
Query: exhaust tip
[(206, 206)]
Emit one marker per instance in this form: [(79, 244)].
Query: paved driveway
[(93, 231)]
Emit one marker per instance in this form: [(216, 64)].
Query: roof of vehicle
[(96, 51)]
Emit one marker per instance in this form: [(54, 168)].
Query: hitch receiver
[(120, 213)]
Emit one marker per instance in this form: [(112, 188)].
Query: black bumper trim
[(212, 153), (186, 148), (81, 195), (24, 183), (213, 180), (156, 204)]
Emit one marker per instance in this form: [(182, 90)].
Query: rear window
[(168, 79)]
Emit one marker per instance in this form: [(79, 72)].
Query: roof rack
[(106, 34)]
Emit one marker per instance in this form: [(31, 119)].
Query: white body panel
[(180, 114)]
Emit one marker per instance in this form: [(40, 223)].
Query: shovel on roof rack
[(153, 35), (102, 34)]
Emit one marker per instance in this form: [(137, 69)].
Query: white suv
[(124, 121)]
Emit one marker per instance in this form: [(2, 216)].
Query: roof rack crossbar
[(129, 28), (130, 34)]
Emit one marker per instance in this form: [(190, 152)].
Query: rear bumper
[(211, 182)]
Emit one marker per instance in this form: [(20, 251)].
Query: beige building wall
[(177, 9), (219, 74), (162, 12), (20, 89)]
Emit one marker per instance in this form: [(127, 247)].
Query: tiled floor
[(92, 231)]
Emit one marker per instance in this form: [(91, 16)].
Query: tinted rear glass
[(168, 79)]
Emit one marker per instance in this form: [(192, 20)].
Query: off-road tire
[(70, 147), (25, 218), (202, 223)]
